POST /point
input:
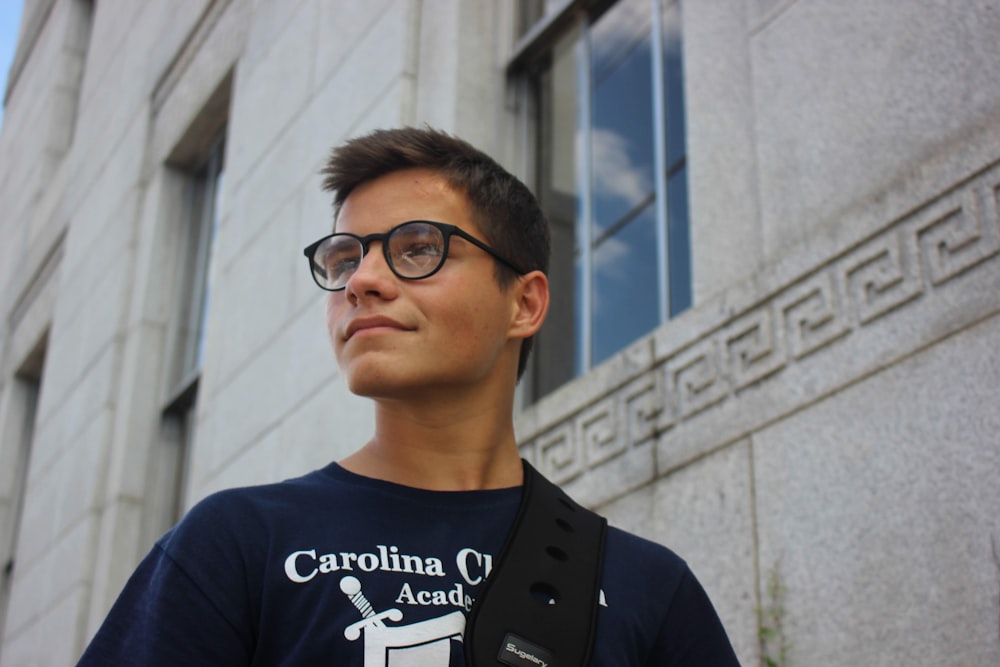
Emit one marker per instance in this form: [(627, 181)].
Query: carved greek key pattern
[(901, 264), (962, 237), (754, 348), (696, 378), (813, 314), (557, 455), (882, 275), (603, 438), (643, 403)]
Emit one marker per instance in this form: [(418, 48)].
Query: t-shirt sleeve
[(163, 618), (692, 634), (178, 608)]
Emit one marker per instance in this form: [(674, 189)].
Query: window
[(605, 108), (192, 298), (23, 407), (201, 221)]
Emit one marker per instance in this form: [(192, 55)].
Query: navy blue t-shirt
[(341, 570)]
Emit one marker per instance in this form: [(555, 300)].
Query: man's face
[(396, 338)]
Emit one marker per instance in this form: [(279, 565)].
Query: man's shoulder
[(636, 546), (632, 557), (651, 597), (247, 509), (247, 497)]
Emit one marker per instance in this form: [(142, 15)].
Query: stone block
[(30, 317), (726, 237), (64, 570), (107, 204), (92, 396), (705, 513), (315, 220), (331, 53), (370, 71), (25, 604), (137, 415), (243, 410), (267, 21), (844, 107), (878, 506), (63, 629), (108, 35), (253, 464), (760, 12), (102, 123), (82, 471), (164, 25), (264, 392), (64, 364), (598, 428), (393, 108), (122, 538), (310, 360), (40, 506), (252, 201), (931, 273), (633, 512), (67, 404), (328, 424), (580, 392), (45, 439), (439, 68), (23, 646), (97, 289), (260, 118), (188, 104), (251, 294)]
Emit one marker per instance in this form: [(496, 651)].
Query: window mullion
[(585, 222), (209, 221), (660, 161)]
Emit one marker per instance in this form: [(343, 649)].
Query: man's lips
[(369, 323)]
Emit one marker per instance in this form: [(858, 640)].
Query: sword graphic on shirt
[(426, 643)]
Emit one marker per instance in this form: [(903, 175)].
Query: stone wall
[(869, 360), (824, 416)]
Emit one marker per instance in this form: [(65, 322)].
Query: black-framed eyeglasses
[(413, 250)]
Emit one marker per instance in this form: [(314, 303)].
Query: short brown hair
[(503, 207)]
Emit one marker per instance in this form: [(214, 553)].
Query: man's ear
[(530, 305)]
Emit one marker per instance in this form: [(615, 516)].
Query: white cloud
[(613, 172)]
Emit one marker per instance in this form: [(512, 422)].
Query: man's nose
[(373, 275)]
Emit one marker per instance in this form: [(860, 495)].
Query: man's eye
[(415, 250), (338, 266), (415, 259)]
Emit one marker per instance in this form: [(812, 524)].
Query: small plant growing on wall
[(771, 631)]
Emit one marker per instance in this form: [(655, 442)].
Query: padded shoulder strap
[(538, 607)]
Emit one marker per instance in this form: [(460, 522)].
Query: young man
[(436, 279)]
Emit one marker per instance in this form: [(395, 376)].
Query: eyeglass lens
[(413, 250)]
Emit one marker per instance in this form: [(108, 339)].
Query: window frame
[(191, 299), (532, 55)]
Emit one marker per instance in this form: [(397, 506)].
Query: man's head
[(502, 207)]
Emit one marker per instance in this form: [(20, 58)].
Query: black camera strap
[(538, 607)]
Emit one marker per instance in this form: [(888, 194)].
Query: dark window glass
[(625, 297), (605, 90)]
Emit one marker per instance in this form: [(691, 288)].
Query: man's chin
[(391, 387), (375, 384)]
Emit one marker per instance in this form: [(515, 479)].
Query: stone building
[(774, 349)]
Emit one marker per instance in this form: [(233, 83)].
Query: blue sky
[(10, 20)]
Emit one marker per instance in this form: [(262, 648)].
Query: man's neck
[(453, 445)]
